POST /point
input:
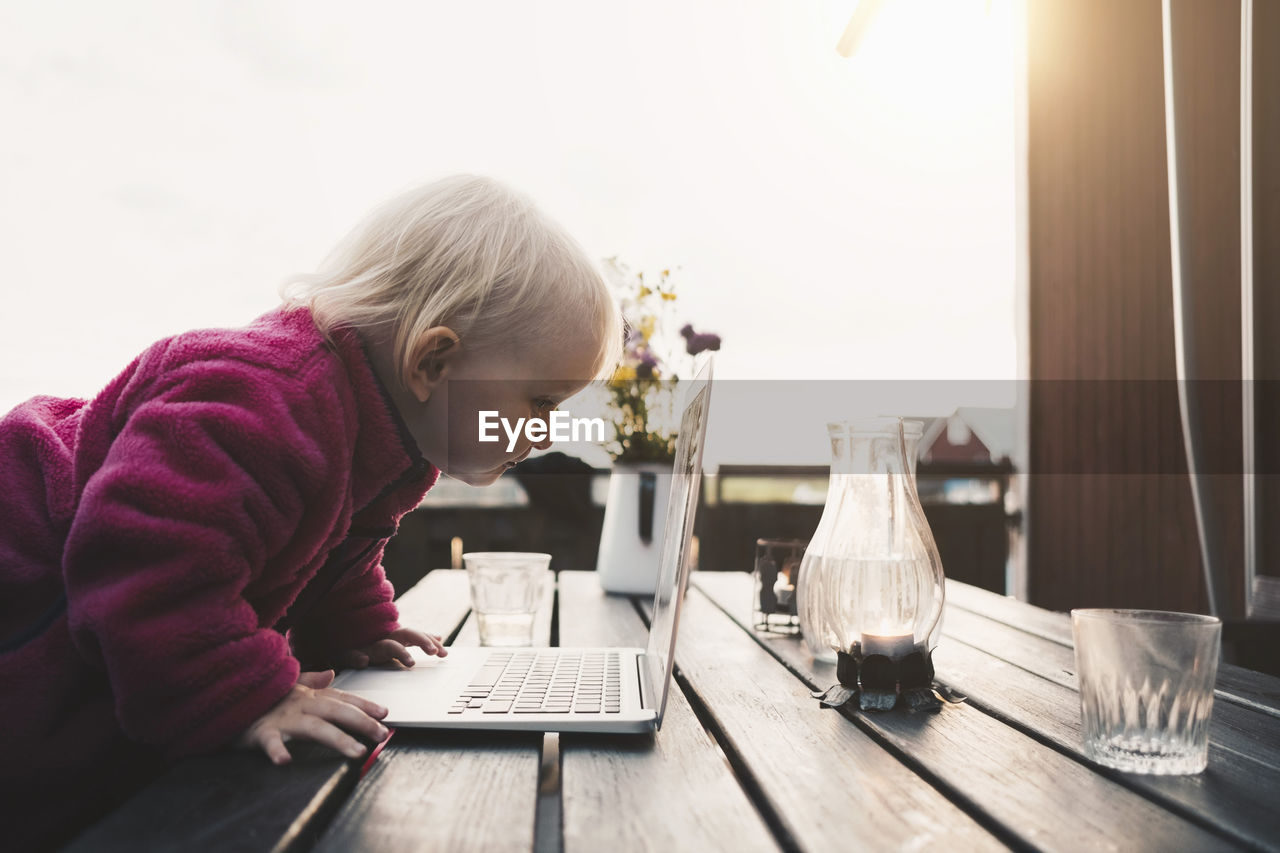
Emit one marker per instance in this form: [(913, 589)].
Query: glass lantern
[(871, 583)]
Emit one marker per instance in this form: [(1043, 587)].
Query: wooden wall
[(1266, 274), (1110, 519)]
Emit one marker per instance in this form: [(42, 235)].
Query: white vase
[(627, 562)]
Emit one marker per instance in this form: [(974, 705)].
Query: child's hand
[(313, 710), (393, 647)]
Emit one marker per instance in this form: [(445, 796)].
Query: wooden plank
[(1003, 608), (1247, 687), (830, 785), (1235, 684), (439, 603), (1235, 727), (1225, 795), (1032, 792), (1031, 682), (669, 791), (445, 790), (238, 801), (234, 801), (441, 790)]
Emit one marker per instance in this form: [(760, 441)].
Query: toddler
[(187, 556)]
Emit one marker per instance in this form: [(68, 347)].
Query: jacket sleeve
[(210, 476), (356, 612)]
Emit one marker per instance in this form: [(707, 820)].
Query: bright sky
[(164, 165)]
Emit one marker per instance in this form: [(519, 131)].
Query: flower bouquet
[(642, 391), (640, 402)]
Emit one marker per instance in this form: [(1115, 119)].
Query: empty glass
[(1146, 687), (506, 589)]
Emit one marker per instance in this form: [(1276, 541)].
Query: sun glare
[(933, 54)]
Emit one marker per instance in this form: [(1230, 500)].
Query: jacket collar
[(387, 462)]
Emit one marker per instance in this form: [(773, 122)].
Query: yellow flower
[(668, 297), (646, 327), (644, 291), (624, 373)]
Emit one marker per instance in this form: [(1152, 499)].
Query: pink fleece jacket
[(156, 542)]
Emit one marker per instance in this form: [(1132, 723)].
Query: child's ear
[(433, 355)]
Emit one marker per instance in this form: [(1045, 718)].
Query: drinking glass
[(1146, 687), (506, 589)]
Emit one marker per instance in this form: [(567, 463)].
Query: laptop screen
[(674, 567)]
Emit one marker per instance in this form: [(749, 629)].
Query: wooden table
[(746, 759)]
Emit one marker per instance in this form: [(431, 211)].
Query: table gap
[(555, 612), (737, 766), (306, 830), (457, 629), (548, 816)]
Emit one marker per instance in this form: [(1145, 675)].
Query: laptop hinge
[(648, 697)]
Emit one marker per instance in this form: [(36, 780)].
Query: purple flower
[(696, 342), (644, 370)]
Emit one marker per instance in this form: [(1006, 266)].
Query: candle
[(783, 589), (892, 646)]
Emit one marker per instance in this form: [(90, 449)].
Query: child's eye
[(545, 403)]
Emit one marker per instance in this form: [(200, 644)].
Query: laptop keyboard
[(544, 683)]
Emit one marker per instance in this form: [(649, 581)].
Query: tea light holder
[(881, 682), (873, 588), (777, 570)]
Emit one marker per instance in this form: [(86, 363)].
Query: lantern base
[(879, 683)]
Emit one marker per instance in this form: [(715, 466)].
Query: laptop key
[(496, 707)]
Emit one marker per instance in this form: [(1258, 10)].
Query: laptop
[(562, 689)]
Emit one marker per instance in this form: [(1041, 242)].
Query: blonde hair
[(469, 253)]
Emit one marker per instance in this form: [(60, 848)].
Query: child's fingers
[(429, 643), (434, 647), (273, 745), (354, 659), (316, 728), (405, 635), (373, 709), (385, 650), (348, 716), (316, 680)]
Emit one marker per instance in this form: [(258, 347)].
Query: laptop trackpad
[(423, 690)]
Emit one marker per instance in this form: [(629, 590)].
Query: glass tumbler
[(506, 589), (1146, 687)]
